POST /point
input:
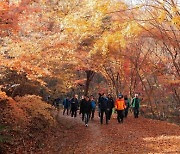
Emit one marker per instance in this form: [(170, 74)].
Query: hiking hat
[(120, 96)]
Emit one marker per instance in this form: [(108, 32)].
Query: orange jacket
[(120, 104)]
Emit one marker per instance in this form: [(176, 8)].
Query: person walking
[(127, 103), (93, 106), (66, 104), (120, 106), (80, 102), (110, 106), (99, 105), (74, 106), (81, 107), (86, 110), (103, 108), (136, 105)]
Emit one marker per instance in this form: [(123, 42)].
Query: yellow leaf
[(176, 21), (162, 16)]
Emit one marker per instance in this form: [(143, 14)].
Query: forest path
[(133, 136)]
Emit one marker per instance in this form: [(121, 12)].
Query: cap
[(120, 95)]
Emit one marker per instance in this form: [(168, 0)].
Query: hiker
[(80, 102), (74, 106), (48, 99), (66, 104), (120, 106), (86, 110), (99, 105), (81, 106), (136, 105), (56, 102), (127, 103), (93, 106), (103, 108), (110, 106)]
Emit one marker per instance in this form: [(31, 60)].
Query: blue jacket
[(93, 104)]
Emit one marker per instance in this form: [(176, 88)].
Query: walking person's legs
[(99, 112), (134, 110), (107, 116), (137, 113), (82, 116), (110, 113), (75, 113), (72, 112), (118, 116), (64, 110), (92, 113), (101, 118), (86, 119), (121, 115), (125, 113), (67, 111)]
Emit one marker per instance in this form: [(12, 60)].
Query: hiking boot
[(86, 125)]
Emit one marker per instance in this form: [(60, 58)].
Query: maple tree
[(55, 47), (135, 48), (109, 37)]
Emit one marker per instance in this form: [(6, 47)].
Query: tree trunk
[(89, 76)]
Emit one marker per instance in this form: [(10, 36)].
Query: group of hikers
[(106, 105)]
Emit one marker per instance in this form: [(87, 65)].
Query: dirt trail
[(133, 136)]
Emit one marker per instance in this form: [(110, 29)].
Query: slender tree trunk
[(147, 93), (89, 76)]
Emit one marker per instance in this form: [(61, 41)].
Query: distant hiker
[(110, 106), (120, 106), (48, 98), (66, 104), (127, 103), (80, 103), (86, 109), (103, 108), (82, 106), (93, 106), (99, 105), (74, 106), (56, 102), (136, 105)]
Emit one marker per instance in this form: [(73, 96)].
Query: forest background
[(63, 47)]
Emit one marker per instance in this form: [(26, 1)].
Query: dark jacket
[(99, 104), (66, 103), (103, 103), (110, 103), (74, 103), (86, 106), (81, 105), (127, 103)]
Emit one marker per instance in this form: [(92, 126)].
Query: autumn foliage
[(84, 46), (23, 116)]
